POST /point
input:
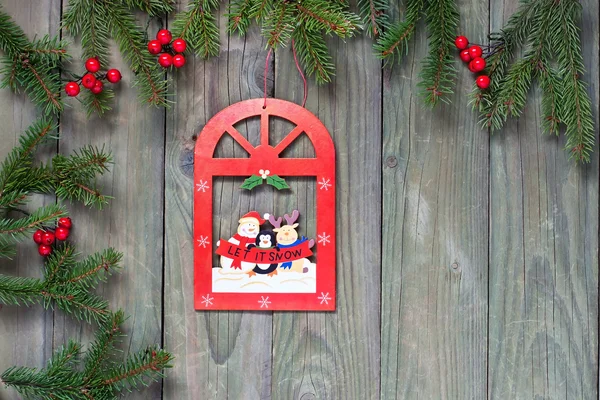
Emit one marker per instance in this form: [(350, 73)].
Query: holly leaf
[(277, 182), (252, 182)]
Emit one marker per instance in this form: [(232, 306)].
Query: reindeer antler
[(293, 218), (275, 222)]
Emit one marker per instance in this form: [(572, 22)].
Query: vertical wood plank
[(133, 221), (435, 238), (219, 355), (336, 355), (543, 252), (26, 333)]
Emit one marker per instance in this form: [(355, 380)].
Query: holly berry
[(483, 81), (61, 233), (178, 60), (154, 47), (44, 250), (165, 60), (97, 88), (72, 89), (88, 81), (465, 55), (113, 75), (65, 222), (461, 42), (37, 236), (92, 65), (179, 45), (48, 238), (475, 51), (477, 65), (164, 36)]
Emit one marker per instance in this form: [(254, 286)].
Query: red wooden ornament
[(209, 293)]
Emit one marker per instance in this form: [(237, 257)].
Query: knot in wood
[(391, 161)]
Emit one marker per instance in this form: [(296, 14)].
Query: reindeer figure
[(287, 236)]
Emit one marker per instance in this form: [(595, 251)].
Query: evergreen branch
[(313, 54), (438, 72), (58, 264), (65, 357), (102, 347), (395, 39), (279, 24), (81, 305), (197, 25), (130, 39), (513, 94), (95, 269), (551, 98), (19, 291), (98, 103), (331, 18), (239, 16), (375, 19), (147, 364), (89, 20), (153, 8), (12, 37), (261, 8)]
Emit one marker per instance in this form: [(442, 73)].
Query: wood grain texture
[(435, 202), (220, 355), (543, 328), (133, 221), (25, 333), (336, 355)]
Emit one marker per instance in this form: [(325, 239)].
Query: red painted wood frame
[(264, 156)]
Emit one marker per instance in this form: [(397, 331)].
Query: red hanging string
[(297, 67), (301, 73)]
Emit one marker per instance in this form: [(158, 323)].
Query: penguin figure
[(265, 240)]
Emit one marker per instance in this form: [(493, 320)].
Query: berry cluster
[(46, 238), (476, 59), (169, 53), (92, 80)]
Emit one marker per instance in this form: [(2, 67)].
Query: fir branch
[(97, 103), (332, 18), (139, 368), (375, 19), (313, 53), (261, 8), (438, 73), (94, 269), (238, 15), (394, 41), (279, 24), (102, 347), (551, 98), (153, 8), (197, 25), (19, 291)]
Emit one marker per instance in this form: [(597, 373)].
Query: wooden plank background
[(467, 263)]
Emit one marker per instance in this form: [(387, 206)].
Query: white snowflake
[(325, 184), (324, 297), (324, 238), (264, 302), (202, 186), (203, 241), (207, 300)]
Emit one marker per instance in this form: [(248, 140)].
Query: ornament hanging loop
[(297, 67)]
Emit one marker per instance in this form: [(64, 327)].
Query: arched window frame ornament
[(264, 156)]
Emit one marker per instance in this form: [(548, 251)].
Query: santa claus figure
[(248, 228)]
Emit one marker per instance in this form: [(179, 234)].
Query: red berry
[(475, 51), (65, 222), (37, 236), (461, 42), (92, 65), (483, 81), (164, 36), (165, 60), (477, 65), (48, 238), (62, 233), (179, 45), (97, 88), (113, 75), (178, 60), (465, 56), (72, 89), (44, 250), (88, 81), (154, 47)]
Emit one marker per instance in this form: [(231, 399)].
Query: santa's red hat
[(253, 216)]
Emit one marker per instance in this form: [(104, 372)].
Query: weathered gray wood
[(435, 202), (25, 333), (336, 355), (219, 355), (543, 253), (133, 221)]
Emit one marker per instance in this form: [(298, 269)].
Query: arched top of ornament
[(265, 153)]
